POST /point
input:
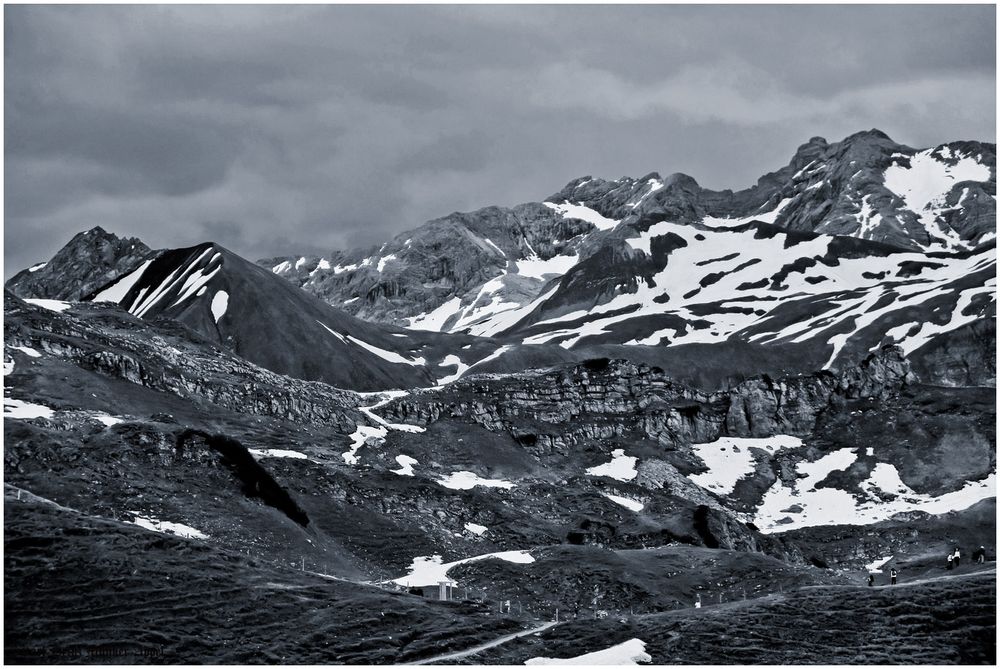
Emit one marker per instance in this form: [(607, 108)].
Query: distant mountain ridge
[(589, 256), (456, 272), (866, 186)]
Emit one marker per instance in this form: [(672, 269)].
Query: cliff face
[(552, 412)]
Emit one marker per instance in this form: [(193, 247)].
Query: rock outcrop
[(174, 360), (551, 412)]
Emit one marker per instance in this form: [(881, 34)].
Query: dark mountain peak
[(579, 181), (89, 260), (95, 232), (868, 140), (808, 152), (679, 180), (869, 135), (651, 175)]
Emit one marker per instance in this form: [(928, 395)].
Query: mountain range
[(876, 242), (609, 405)]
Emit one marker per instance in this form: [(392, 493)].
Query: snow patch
[(277, 453), (583, 213), (882, 495), (621, 467), (117, 291), (627, 653), (630, 504), (405, 465), (460, 368), (166, 527), (13, 408), (434, 321), (730, 459), (465, 480), (359, 438), (497, 248), (876, 566), (536, 268), (390, 356), (429, 570), (106, 419), (478, 530), (925, 184), (220, 302), (363, 433), (765, 217), (51, 305), (385, 260)]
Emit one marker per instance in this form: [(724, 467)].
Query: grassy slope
[(77, 586), (949, 620)]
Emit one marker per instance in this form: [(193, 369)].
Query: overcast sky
[(285, 129)]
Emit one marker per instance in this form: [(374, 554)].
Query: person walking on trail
[(980, 555), (951, 561), (892, 576), (958, 557), (871, 579)]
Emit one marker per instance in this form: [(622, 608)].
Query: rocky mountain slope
[(89, 261)]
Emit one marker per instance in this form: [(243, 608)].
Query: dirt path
[(22, 495), (480, 648), (964, 572)]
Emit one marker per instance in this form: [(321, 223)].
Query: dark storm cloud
[(307, 128)]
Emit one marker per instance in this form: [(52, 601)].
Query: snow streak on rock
[(51, 305), (167, 527), (580, 212), (117, 291), (628, 503), (277, 453)]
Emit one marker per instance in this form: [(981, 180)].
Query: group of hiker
[(892, 577), (953, 561), (978, 556)]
